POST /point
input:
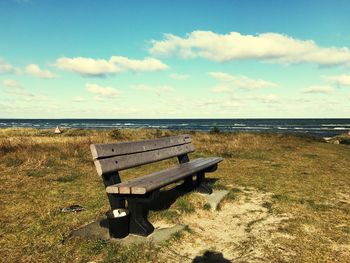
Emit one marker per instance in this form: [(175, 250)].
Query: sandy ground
[(240, 232), (342, 197)]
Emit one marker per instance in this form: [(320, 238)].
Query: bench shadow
[(104, 223), (211, 256), (167, 197), (210, 181)]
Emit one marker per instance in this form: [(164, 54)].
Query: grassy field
[(304, 178)]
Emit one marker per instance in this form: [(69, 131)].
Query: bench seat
[(148, 183)]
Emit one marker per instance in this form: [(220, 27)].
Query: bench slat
[(125, 187), (159, 179), (177, 175), (121, 162), (105, 150), (162, 178)]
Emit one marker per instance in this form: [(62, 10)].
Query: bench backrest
[(112, 157)]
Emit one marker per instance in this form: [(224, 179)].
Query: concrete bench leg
[(114, 200), (188, 183), (139, 223), (202, 187)]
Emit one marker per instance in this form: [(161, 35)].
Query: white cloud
[(178, 76), (87, 66), (7, 68), (165, 89), (35, 70), (270, 47), (79, 99), (102, 67), (267, 98), (10, 83), (343, 80), (231, 81), (147, 64), (221, 89), (159, 90), (13, 87), (103, 91), (318, 89)]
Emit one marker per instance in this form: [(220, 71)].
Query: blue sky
[(174, 59)]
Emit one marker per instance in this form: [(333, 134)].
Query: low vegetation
[(41, 173)]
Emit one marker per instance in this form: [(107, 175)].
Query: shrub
[(116, 134), (158, 133), (345, 140), (215, 130), (6, 146)]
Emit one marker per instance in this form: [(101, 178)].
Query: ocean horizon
[(313, 126)]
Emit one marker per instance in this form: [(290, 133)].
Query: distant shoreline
[(315, 127)]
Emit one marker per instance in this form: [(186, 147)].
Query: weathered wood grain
[(145, 184), (122, 162), (125, 187), (100, 151)]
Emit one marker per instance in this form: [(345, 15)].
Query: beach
[(288, 200)]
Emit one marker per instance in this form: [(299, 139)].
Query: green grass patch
[(219, 186), (232, 194), (345, 229), (206, 206), (177, 235), (51, 162), (184, 205), (67, 178), (236, 190), (116, 134), (36, 173), (13, 161), (280, 197), (310, 155), (95, 247), (319, 207), (188, 229), (268, 206), (168, 215)]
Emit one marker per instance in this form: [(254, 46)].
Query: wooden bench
[(111, 158)]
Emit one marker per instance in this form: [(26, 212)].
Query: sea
[(316, 127)]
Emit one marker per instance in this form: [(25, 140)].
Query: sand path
[(240, 232)]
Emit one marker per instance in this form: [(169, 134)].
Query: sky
[(174, 59)]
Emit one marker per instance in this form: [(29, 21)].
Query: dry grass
[(41, 172)]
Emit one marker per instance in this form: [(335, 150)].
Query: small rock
[(58, 130), (72, 208)]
